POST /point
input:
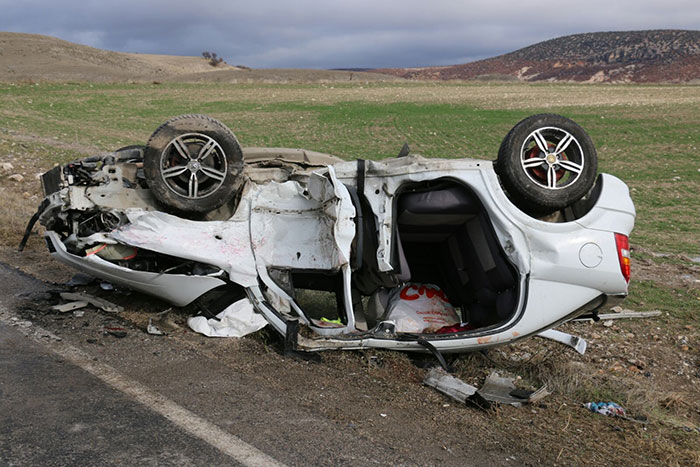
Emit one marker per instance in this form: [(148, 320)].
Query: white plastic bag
[(237, 320), (420, 308)]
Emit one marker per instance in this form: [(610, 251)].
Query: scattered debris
[(106, 286), (92, 300), (116, 332), (153, 329), (79, 313), (163, 322), (6, 168), (574, 342), (453, 387), (80, 279), (495, 389), (70, 306), (16, 178), (503, 391), (237, 320), (606, 408)]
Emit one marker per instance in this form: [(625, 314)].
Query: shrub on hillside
[(214, 60)]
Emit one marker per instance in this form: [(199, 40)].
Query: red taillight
[(623, 253)]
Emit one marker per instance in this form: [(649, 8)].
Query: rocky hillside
[(630, 56)]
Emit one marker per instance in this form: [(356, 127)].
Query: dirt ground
[(645, 365)]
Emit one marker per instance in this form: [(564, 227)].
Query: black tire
[(193, 164), (542, 182)]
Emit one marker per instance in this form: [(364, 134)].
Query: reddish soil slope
[(630, 56)]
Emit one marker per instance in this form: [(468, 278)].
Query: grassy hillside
[(37, 58)]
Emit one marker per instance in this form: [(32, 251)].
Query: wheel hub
[(193, 165), (546, 158)]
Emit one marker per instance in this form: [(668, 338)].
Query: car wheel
[(546, 162), (193, 164)]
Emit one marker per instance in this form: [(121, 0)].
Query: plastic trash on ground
[(237, 320), (606, 408)]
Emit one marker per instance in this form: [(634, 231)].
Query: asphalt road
[(53, 412), (69, 399)]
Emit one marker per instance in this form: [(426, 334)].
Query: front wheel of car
[(193, 164), (546, 163)]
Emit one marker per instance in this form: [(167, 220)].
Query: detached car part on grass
[(320, 245)]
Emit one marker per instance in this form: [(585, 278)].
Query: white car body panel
[(178, 289)]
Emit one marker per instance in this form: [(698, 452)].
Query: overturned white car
[(405, 253)]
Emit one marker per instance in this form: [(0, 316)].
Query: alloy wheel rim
[(193, 165), (552, 158)]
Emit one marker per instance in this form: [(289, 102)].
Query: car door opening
[(444, 237)]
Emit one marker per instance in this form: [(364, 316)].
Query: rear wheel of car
[(193, 164), (546, 162)]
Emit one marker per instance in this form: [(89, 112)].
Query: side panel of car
[(178, 289)]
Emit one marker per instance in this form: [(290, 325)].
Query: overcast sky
[(332, 34)]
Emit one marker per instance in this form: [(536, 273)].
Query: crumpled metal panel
[(225, 244), (178, 289), (303, 228)]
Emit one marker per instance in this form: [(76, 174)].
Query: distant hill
[(33, 57), (42, 58), (629, 56)]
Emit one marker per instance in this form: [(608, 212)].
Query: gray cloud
[(332, 33)]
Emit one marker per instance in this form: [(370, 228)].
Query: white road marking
[(225, 442)]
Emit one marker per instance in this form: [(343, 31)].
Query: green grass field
[(647, 135)]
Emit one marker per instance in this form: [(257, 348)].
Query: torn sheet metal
[(297, 227), (310, 227), (502, 390), (496, 389), (225, 244), (237, 320), (290, 230), (574, 342), (452, 387), (70, 306), (100, 303)]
